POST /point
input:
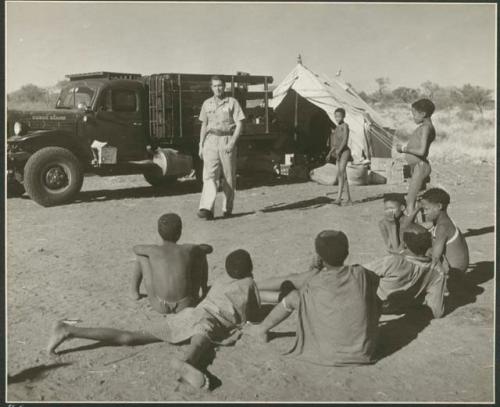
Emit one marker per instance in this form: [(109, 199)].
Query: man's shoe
[(205, 214), (227, 214)]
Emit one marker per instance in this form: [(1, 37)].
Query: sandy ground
[(75, 261)]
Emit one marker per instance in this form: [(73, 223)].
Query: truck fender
[(39, 139)]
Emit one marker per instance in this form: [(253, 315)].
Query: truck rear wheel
[(157, 180), (53, 176)]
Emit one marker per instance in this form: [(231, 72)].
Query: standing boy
[(417, 149), (221, 124), (337, 308), (341, 153), (231, 301), (173, 274)]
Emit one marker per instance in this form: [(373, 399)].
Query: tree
[(429, 89), (28, 93), (383, 84), (477, 96), (406, 95)]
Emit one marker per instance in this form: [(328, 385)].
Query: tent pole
[(266, 99), (296, 118)]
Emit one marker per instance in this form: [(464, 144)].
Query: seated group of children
[(338, 306)]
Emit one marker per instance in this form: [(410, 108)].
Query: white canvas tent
[(328, 95)]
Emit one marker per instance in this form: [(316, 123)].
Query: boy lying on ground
[(232, 300), (337, 309), (409, 278), (173, 274)]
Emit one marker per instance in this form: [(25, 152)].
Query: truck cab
[(120, 123)]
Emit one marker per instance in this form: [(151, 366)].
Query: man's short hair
[(395, 197), (217, 78), (332, 246), (170, 227), (340, 110), (417, 239), (437, 196), (239, 264), (425, 106)]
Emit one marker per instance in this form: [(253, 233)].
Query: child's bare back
[(173, 274)]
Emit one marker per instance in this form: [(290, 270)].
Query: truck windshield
[(75, 97)]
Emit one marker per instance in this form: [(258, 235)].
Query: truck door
[(120, 120)]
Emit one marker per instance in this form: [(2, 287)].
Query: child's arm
[(143, 250), (345, 138), (384, 232), (439, 245), (422, 148), (410, 218)]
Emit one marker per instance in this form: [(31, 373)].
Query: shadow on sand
[(34, 373), (314, 203), (479, 232), (185, 187), (397, 333)]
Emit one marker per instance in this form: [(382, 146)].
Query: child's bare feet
[(59, 335), (348, 203), (255, 331), (190, 374), (337, 201), (135, 295)]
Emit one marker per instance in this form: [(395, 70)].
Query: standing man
[(221, 117)]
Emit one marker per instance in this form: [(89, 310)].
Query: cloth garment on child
[(226, 307), (337, 319), (171, 307), (407, 280)]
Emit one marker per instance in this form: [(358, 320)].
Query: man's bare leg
[(62, 332), (187, 369), (136, 280), (277, 315)]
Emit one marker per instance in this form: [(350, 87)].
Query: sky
[(450, 44)]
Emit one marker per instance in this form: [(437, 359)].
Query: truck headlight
[(18, 128)]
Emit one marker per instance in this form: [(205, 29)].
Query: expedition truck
[(108, 123)]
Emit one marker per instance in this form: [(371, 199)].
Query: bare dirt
[(75, 261)]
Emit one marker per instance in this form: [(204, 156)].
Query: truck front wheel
[(53, 176)]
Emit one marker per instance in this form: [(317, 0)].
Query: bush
[(465, 115)]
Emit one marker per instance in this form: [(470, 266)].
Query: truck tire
[(158, 180), (53, 176)]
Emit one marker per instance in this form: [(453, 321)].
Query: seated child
[(173, 274), (231, 300), (408, 278), (448, 244), (337, 309), (417, 149), (393, 223)]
